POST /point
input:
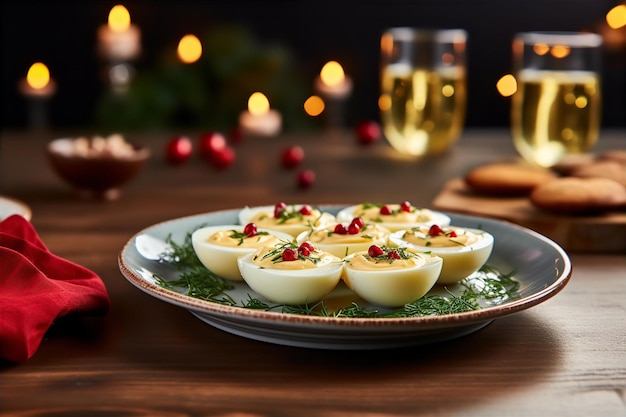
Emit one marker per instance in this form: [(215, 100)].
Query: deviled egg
[(218, 247), (389, 276), (393, 216), (342, 239), (292, 219), (463, 250), (291, 273)]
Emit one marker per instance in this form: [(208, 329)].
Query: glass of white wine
[(556, 109), (423, 89)]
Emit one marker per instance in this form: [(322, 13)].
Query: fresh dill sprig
[(488, 285)]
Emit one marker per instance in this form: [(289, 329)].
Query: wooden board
[(592, 234)]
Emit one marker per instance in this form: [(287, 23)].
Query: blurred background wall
[(291, 41)]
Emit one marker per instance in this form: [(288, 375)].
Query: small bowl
[(222, 259), (95, 176)]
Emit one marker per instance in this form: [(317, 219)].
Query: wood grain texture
[(564, 357)]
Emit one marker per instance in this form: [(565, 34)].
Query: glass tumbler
[(423, 88), (556, 108)]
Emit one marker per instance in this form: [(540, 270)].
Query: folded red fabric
[(37, 287)]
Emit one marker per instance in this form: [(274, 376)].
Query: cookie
[(507, 179), (604, 169), (573, 195)]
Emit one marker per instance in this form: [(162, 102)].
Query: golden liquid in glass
[(422, 111), (555, 113)]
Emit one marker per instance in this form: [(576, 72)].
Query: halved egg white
[(420, 217), (459, 260), (379, 284), (292, 286), (293, 227), (222, 259), (345, 244)]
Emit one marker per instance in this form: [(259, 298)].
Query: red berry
[(393, 254), (358, 221), (353, 229), (279, 209), (211, 143), (250, 229), (305, 249), (290, 255), (340, 229), (385, 210), (291, 156), (308, 246), (368, 132), (452, 233), (375, 251), (178, 150), (224, 158), (405, 206), (305, 210), (305, 178), (435, 230)]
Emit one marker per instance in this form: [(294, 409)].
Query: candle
[(332, 83), (259, 119), (38, 86), (38, 83), (119, 40)]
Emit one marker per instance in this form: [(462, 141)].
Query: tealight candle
[(332, 82), (38, 86), (119, 40), (259, 119)]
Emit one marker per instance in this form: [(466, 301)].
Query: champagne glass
[(556, 108), (423, 89)]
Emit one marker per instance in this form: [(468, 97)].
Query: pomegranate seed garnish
[(340, 229), (279, 208), (358, 221), (290, 255), (393, 254), (250, 230), (452, 233), (385, 210), (306, 210), (353, 229), (308, 246), (405, 206), (375, 251), (305, 178), (435, 230)]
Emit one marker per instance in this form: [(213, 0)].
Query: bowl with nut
[(97, 167)]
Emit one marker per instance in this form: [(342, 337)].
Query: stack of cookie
[(582, 185)]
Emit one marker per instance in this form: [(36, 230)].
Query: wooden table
[(564, 357)]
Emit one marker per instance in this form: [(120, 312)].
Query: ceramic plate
[(542, 269), (9, 206)]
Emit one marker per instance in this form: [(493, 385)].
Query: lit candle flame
[(332, 74), (507, 85), (616, 17), (119, 18), (38, 76), (258, 104), (189, 49), (314, 106)]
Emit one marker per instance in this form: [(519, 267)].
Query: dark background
[(62, 34)]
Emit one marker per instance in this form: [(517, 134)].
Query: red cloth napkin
[(37, 287)]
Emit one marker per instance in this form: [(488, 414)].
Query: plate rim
[(424, 322)]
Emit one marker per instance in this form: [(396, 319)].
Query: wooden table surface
[(564, 357)]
